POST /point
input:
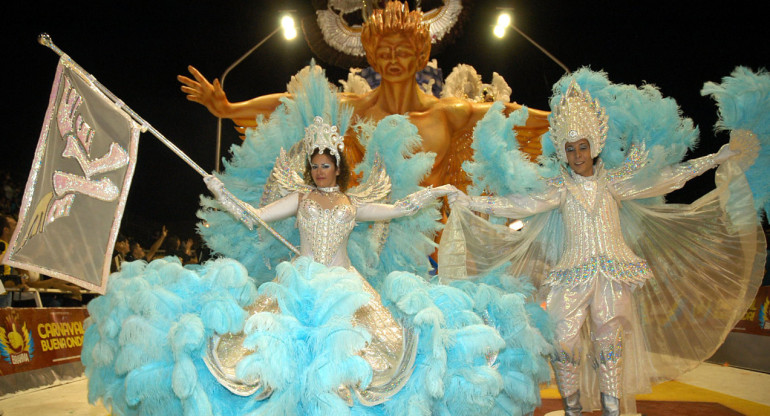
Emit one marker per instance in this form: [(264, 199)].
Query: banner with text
[(34, 338)]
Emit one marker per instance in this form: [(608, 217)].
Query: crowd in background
[(189, 250)]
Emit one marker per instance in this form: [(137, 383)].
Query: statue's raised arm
[(213, 97)]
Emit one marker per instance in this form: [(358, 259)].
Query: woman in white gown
[(315, 337)]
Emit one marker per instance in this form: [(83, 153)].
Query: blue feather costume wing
[(744, 104)]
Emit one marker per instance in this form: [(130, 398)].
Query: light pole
[(289, 32), (504, 20)]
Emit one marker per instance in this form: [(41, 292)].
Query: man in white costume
[(597, 273)]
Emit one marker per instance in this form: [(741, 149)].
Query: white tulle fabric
[(707, 261)]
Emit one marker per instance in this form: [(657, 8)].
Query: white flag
[(77, 188)]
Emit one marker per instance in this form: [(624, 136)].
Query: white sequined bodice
[(593, 238), (324, 232)]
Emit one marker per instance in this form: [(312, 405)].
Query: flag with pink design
[(78, 184)]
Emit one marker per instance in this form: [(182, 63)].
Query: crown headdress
[(323, 136), (578, 116)]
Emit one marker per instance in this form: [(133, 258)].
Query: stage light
[(516, 225), (289, 33), (289, 30), (287, 22), (504, 19), (499, 31)]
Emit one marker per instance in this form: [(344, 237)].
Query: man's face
[(8, 231), (579, 157), (137, 251), (396, 58), (122, 247)]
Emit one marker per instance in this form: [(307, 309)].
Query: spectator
[(190, 254), (10, 276), (138, 253), (174, 248), (10, 193), (121, 250)]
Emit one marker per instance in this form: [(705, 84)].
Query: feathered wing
[(284, 178), (744, 104), (377, 185), (248, 171), (711, 249)]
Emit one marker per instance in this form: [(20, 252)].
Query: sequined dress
[(317, 339), (324, 232)]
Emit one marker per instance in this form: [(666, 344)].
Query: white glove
[(459, 198), (215, 185), (229, 201), (414, 201), (443, 190), (725, 153)]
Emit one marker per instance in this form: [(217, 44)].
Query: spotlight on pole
[(499, 31), (289, 32), (505, 20), (289, 29)]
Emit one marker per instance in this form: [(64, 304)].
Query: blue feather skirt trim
[(146, 339)]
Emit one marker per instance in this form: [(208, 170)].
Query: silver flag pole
[(45, 40)]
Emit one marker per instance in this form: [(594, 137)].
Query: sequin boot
[(572, 405), (610, 405)]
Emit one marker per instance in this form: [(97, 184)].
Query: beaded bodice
[(593, 238), (324, 232)]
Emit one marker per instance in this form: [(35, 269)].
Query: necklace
[(330, 189), (328, 192)]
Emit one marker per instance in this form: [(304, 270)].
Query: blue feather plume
[(744, 104)]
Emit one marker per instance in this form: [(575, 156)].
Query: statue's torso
[(428, 114)]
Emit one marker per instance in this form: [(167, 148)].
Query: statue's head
[(396, 32)]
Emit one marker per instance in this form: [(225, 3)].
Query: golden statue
[(397, 45)]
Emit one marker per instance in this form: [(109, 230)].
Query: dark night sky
[(137, 48)]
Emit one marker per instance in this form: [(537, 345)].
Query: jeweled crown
[(578, 116), (322, 136)]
